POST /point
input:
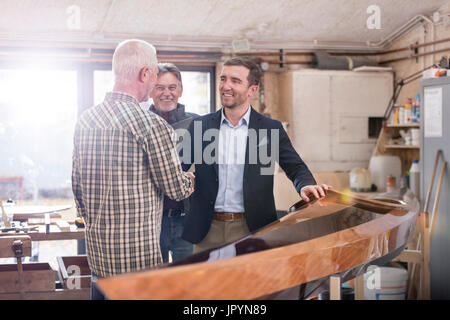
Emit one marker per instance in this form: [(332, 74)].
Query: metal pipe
[(263, 54), (413, 46), (432, 36), (400, 31), (287, 62), (415, 56)]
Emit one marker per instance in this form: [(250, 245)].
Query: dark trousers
[(96, 293), (170, 240)]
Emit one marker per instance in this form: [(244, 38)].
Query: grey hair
[(171, 68), (130, 57)]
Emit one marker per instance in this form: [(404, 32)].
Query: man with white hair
[(124, 161)]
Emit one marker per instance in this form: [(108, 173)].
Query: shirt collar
[(122, 96), (244, 120)]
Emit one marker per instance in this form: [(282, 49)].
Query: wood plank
[(426, 264), (34, 218), (359, 287), (7, 242), (55, 234), (335, 288), (58, 294), (62, 225), (410, 256), (423, 280), (392, 146), (405, 125), (36, 277)]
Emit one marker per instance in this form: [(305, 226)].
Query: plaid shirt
[(124, 161)]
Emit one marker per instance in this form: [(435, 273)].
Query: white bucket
[(415, 135), (385, 283)]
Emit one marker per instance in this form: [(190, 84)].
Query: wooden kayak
[(291, 258)]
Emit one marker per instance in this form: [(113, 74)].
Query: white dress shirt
[(232, 149)]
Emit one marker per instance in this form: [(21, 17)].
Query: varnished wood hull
[(338, 235)]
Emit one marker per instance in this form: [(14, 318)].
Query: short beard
[(230, 107)]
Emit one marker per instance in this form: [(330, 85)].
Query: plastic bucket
[(415, 135), (385, 283)]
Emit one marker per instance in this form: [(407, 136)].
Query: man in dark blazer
[(234, 150)]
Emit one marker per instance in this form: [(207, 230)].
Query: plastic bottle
[(408, 111), (390, 183), (418, 107), (401, 115), (414, 112), (414, 178), (396, 115), (9, 212)]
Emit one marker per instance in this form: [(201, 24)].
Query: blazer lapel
[(254, 125), (215, 124)]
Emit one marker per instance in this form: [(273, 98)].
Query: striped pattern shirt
[(124, 161)]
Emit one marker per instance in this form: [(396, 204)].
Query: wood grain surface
[(260, 273)]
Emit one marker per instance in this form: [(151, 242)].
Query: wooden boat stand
[(335, 287), (419, 258)]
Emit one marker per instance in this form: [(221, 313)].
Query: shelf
[(393, 146), (404, 125)]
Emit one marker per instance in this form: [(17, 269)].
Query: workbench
[(55, 233), (55, 229)]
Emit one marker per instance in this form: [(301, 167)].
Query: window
[(103, 83), (38, 111), (196, 92)]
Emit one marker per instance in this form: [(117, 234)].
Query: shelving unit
[(394, 146), (406, 125), (407, 153)]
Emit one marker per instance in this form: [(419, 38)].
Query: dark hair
[(255, 73), (170, 67)]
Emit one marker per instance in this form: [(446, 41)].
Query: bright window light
[(196, 90), (38, 111)]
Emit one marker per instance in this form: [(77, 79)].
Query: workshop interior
[(339, 111)]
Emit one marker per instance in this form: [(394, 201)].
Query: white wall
[(330, 116)]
